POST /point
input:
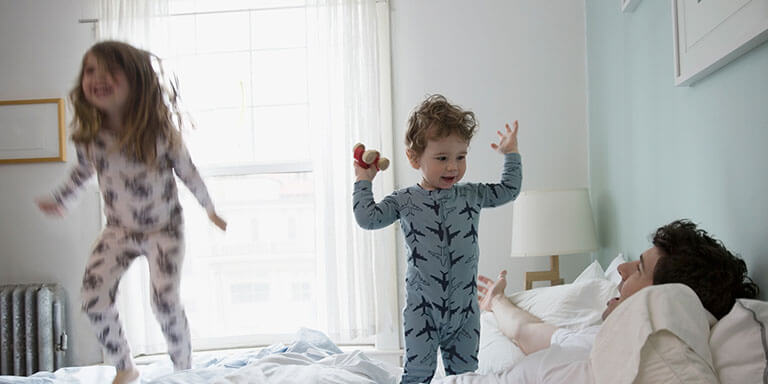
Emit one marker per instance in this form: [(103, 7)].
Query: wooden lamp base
[(553, 275)]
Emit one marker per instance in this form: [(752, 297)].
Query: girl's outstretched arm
[(218, 221), (49, 206), (187, 172), (65, 194)]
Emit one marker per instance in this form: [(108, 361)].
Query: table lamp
[(552, 223)]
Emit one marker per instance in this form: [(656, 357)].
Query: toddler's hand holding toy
[(367, 163)]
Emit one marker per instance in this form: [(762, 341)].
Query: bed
[(731, 351)]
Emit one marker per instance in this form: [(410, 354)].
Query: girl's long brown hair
[(151, 112)]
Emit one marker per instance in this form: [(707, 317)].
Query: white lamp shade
[(557, 222)]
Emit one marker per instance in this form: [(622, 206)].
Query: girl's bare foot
[(489, 290), (126, 376)]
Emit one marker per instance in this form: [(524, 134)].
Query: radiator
[(32, 336)]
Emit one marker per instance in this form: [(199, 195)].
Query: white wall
[(504, 60), (41, 45)]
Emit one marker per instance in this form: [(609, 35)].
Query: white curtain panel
[(141, 23), (349, 91), (350, 101)]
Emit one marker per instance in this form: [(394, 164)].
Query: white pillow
[(591, 272), (739, 343), (612, 272), (665, 358), (575, 306)]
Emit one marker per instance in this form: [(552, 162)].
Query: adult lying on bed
[(681, 253)]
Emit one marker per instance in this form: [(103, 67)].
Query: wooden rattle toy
[(370, 157)]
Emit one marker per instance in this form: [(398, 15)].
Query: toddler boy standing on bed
[(440, 221)]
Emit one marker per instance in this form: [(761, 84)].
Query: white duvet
[(352, 367), (312, 358)]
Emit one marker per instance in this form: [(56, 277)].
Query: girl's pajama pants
[(113, 254)]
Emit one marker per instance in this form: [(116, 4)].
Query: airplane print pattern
[(441, 237)]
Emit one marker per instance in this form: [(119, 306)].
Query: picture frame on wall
[(32, 131), (708, 34)]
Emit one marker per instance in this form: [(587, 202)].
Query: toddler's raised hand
[(507, 140), (364, 173)]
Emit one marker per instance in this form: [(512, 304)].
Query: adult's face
[(635, 275)]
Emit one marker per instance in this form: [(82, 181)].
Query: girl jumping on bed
[(126, 130), (439, 218)]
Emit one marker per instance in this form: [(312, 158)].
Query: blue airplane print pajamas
[(440, 228), (144, 217)]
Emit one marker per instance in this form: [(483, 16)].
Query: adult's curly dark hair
[(436, 118), (692, 257)]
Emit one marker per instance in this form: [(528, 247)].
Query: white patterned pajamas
[(144, 217), (111, 257)]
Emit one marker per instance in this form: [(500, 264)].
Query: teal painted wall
[(659, 152)]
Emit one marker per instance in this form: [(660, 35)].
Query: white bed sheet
[(312, 358)]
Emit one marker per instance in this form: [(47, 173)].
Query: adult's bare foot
[(488, 290), (126, 376)]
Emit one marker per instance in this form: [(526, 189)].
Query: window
[(249, 293), (243, 77)]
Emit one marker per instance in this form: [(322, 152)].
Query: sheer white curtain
[(142, 23), (349, 102), (349, 84)]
